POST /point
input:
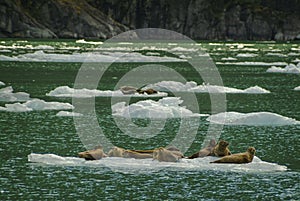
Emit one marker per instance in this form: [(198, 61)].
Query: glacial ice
[(252, 63), (41, 56), (145, 165), (36, 104), (2, 83), (68, 114), (7, 95), (192, 86), (297, 88), (246, 55), (168, 107), (290, 68), (251, 119), (66, 91)]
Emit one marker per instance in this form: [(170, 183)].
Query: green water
[(43, 132)]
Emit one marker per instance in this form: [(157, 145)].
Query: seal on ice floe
[(207, 151), (221, 149), (245, 157), (161, 154), (94, 154)]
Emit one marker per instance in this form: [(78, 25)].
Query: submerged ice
[(251, 119)]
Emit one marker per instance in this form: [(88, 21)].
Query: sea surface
[(38, 66)]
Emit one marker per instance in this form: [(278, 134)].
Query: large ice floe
[(36, 104), (253, 63), (146, 165), (192, 86), (65, 91), (168, 107), (290, 68), (251, 119), (7, 95), (41, 56)]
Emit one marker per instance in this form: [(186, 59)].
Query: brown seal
[(147, 91), (116, 152), (207, 151), (221, 149), (136, 155), (246, 157), (162, 154), (94, 154), (173, 149)]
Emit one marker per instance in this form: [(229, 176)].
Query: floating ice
[(167, 107), (192, 86), (252, 63), (146, 165), (297, 88), (2, 83), (290, 68), (276, 54), (65, 91), (41, 56), (36, 104), (246, 55), (229, 59), (7, 95), (43, 47), (89, 42), (68, 114), (251, 119)]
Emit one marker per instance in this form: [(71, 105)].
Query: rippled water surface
[(23, 133)]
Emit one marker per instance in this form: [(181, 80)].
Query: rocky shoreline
[(197, 19)]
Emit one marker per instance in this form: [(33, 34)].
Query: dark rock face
[(198, 19)]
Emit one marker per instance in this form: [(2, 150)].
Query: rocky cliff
[(198, 19)]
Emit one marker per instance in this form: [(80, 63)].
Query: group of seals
[(172, 154), (132, 90)]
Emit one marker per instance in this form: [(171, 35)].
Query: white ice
[(41, 56), (146, 165), (7, 95), (297, 88), (89, 42), (253, 63), (246, 55), (36, 104), (290, 68), (2, 83), (251, 119), (65, 91), (168, 107), (68, 114), (192, 86)]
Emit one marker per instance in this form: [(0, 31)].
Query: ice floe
[(251, 119), (2, 83), (253, 63), (36, 104), (246, 55), (41, 56), (65, 91), (89, 42), (228, 59), (297, 88), (7, 95), (290, 68), (68, 114), (168, 107), (192, 86), (145, 165)]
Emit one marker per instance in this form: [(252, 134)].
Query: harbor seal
[(94, 154), (116, 152), (162, 154), (136, 155), (147, 91), (173, 149), (246, 157), (207, 151), (221, 149)]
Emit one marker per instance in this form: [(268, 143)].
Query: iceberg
[(192, 86), (290, 68), (36, 104), (65, 91), (251, 119), (68, 114), (7, 95), (146, 165), (168, 107)]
